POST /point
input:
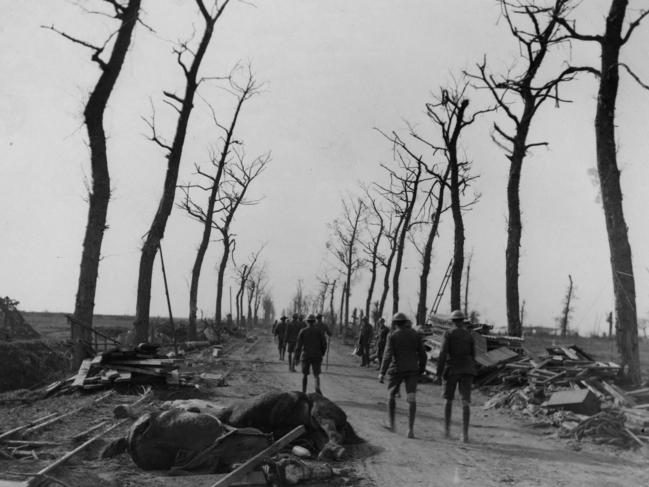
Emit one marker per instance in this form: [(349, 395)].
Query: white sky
[(333, 70)]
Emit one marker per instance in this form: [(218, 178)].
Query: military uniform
[(404, 360), (310, 348), (280, 332), (456, 363)]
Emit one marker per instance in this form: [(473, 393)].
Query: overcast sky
[(333, 70)]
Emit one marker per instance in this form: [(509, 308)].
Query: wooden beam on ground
[(11, 432), (72, 453), (241, 471)]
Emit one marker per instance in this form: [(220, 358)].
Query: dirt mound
[(26, 363)]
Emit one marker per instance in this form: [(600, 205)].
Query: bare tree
[(243, 273), (99, 196), (261, 281), (239, 174), (375, 229), (332, 313), (268, 307), (183, 105), (430, 213), (615, 36), (567, 308), (536, 29), (344, 247), (435, 202), (449, 112), (401, 193), (206, 214), (298, 304), (392, 232)]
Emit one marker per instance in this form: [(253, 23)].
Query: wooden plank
[(65, 415), (83, 373), (240, 472), (144, 363), (11, 432), (72, 453), (618, 394), (638, 392), (141, 370)]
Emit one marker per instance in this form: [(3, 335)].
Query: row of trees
[(223, 186), (430, 175)]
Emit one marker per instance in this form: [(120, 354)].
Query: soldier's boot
[(317, 385), (305, 380), (412, 411), (466, 415), (392, 406), (448, 409), (290, 362)]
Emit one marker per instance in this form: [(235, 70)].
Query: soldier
[(290, 337), (279, 332), (364, 341), (311, 347), (456, 363), (404, 360), (322, 326), (384, 331)]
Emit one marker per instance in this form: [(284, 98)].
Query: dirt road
[(503, 450)]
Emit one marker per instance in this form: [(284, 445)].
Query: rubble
[(569, 389), (142, 365)]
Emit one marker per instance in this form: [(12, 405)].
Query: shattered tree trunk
[(220, 279), (207, 229), (428, 252), (401, 243), (386, 279), (100, 194), (456, 210), (331, 306), (373, 266), (512, 252), (566, 309), (157, 229), (609, 177)]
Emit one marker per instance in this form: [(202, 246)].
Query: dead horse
[(280, 412)]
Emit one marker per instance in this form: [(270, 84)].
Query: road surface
[(503, 450)]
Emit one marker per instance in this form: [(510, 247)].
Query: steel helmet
[(310, 318), (457, 315), (399, 317)]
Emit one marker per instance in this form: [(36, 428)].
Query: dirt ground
[(504, 450)]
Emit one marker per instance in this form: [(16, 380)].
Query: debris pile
[(142, 365), (568, 388)]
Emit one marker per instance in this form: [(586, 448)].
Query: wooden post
[(171, 318)]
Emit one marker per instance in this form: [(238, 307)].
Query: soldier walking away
[(384, 331), (311, 347), (456, 364), (322, 326), (364, 341), (290, 338), (280, 332), (404, 360)]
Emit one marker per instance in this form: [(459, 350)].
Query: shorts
[(290, 347), (316, 364), (281, 344), (410, 379), (463, 382)]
